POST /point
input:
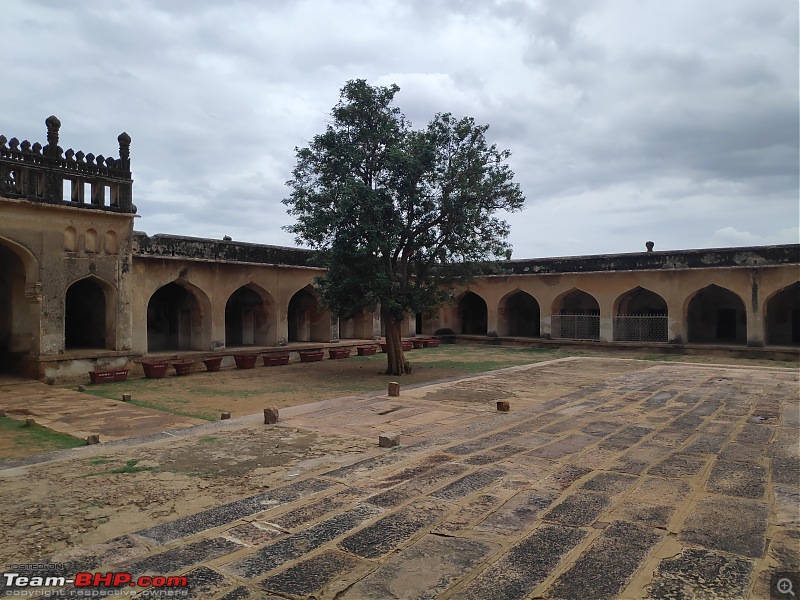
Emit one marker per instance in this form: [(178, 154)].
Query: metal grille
[(641, 328), (576, 327)]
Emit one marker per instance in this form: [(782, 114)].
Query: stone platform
[(665, 481)]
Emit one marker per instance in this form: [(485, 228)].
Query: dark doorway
[(15, 329), (245, 319), (85, 316), (173, 319), (522, 315), (716, 316), (307, 323), (474, 314), (783, 317)]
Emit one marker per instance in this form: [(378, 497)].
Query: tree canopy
[(400, 216)]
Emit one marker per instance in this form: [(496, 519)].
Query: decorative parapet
[(50, 175), (752, 256)]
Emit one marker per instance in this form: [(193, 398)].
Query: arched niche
[(307, 321), (473, 314), (782, 317), (177, 318), (89, 314), (716, 315), (249, 317), (519, 315)]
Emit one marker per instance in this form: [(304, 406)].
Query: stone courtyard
[(606, 479)]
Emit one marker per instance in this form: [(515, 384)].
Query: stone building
[(80, 289)]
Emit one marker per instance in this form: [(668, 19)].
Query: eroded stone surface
[(579, 509), (525, 565), (698, 573), (423, 570), (604, 569), (737, 479), (310, 575), (728, 524)]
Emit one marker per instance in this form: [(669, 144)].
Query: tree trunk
[(396, 360)]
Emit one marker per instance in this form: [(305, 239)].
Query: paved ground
[(666, 481), (81, 415)]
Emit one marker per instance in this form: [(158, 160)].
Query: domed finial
[(125, 149), (53, 125), (52, 122), (649, 246)]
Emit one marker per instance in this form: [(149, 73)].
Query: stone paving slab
[(81, 415), (666, 481)]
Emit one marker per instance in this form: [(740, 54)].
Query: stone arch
[(177, 318), (111, 243), (782, 316), (519, 315), (473, 314), (18, 271), (90, 241), (576, 316), (71, 239), (307, 321), (641, 315), (716, 315), (250, 317), (89, 314)]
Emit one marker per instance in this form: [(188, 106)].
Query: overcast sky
[(628, 120)]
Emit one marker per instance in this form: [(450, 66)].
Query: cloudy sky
[(628, 120)]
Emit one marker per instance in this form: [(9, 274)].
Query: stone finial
[(394, 388), (124, 147), (649, 246), (53, 125)]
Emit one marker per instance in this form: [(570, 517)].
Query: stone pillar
[(606, 321), (53, 183), (125, 191), (755, 322)]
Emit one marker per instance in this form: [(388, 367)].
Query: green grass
[(129, 467), (38, 436), (208, 439)]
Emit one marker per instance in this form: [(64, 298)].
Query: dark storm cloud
[(627, 120)]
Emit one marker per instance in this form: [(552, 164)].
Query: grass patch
[(36, 435), (208, 439), (129, 467), (100, 460)]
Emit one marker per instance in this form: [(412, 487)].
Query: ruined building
[(80, 289)]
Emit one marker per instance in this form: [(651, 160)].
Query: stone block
[(224, 416), (503, 405), (93, 439), (271, 415), (389, 440), (394, 388), (126, 397)]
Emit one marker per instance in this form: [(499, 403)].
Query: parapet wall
[(162, 245), (755, 256)]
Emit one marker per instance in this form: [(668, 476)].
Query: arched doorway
[(85, 316), (520, 315), (641, 316), (576, 317), (716, 315), (473, 314), (783, 317), (358, 327), (307, 322), (16, 331), (174, 320), (247, 319)]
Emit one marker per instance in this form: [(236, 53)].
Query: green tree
[(400, 216)]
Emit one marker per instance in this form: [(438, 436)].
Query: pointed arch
[(18, 271), (89, 314), (307, 321), (473, 314), (641, 315), (518, 315), (575, 316), (177, 318), (250, 317), (716, 315), (782, 316)]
